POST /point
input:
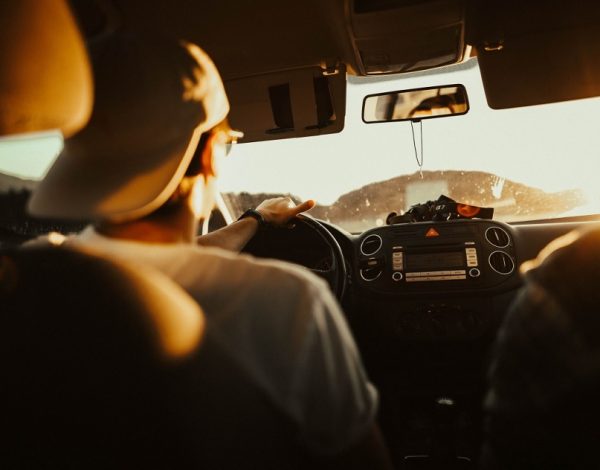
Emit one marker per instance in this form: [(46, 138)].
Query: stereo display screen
[(416, 262)]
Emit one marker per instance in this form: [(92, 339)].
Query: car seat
[(107, 366)]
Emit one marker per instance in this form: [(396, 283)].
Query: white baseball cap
[(154, 97)]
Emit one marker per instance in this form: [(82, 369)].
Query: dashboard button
[(474, 272), (397, 276)]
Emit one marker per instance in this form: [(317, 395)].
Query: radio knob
[(474, 272), (397, 276)]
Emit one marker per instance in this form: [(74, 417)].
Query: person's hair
[(195, 166), (182, 190), (193, 170)]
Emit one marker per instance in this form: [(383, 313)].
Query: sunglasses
[(222, 134), (231, 138)]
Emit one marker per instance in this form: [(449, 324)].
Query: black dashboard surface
[(430, 280), (423, 320)]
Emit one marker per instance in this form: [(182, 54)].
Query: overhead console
[(395, 36), (473, 256)]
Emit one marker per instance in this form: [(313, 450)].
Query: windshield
[(528, 163)]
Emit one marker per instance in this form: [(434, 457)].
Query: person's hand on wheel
[(280, 211)]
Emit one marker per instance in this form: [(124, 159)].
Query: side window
[(24, 160)]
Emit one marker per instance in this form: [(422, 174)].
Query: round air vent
[(497, 237), (371, 245), (370, 274), (501, 262)]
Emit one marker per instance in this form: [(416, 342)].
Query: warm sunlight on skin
[(178, 319), (203, 197), (552, 147), (205, 192)]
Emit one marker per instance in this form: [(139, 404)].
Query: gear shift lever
[(443, 456)]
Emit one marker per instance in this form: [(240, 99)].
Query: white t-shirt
[(280, 322)]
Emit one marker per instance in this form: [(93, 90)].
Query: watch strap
[(262, 224)]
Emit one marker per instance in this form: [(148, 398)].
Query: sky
[(552, 147)]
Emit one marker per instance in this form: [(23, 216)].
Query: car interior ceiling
[(366, 38), (426, 347)]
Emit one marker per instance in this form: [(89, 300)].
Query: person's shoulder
[(271, 272), (278, 294)]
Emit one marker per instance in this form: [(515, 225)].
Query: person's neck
[(178, 228)]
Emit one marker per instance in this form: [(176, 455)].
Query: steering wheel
[(335, 274), (333, 271)]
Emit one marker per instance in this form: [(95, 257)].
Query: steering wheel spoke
[(328, 274)]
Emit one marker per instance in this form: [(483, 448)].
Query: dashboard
[(421, 258), (433, 281), (424, 302), (421, 281)]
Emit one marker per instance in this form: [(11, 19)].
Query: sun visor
[(297, 103), (543, 54)]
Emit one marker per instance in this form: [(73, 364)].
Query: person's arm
[(278, 211)]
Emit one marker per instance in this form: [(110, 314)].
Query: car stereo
[(451, 255)]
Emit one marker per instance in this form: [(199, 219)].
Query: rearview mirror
[(416, 104)]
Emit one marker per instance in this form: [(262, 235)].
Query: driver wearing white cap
[(143, 171)]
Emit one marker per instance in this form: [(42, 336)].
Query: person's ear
[(208, 158)]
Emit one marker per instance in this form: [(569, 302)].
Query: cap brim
[(85, 186), (153, 99)]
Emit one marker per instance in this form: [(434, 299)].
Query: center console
[(428, 298), (452, 256)]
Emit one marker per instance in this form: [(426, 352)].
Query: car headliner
[(529, 52)]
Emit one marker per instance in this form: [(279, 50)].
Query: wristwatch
[(262, 223)]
